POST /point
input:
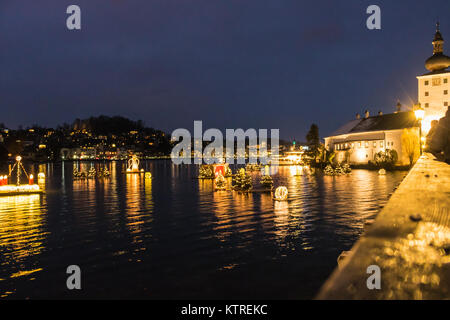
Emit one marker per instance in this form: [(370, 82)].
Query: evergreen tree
[(313, 141), (267, 182), (242, 181)]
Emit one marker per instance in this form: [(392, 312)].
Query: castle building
[(359, 140), (434, 86)]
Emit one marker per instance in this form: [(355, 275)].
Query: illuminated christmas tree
[(242, 181)]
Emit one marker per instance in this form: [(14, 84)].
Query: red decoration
[(219, 168)]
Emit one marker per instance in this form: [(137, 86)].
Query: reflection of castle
[(359, 140)]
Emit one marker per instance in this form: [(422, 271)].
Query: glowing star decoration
[(281, 194)]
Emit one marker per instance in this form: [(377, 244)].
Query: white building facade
[(359, 140), (434, 86)]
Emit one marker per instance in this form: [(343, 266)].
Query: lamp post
[(420, 113)]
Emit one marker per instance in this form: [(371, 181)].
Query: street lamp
[(420, 114)]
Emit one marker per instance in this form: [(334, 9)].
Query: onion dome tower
[(438, 61)]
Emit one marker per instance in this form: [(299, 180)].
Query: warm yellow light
[(426, 123), (361, 154), (41, 175), (18, 158), (281, 194), (22, 188), (420, 113)]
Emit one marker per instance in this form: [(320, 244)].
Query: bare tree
[(411, 144)]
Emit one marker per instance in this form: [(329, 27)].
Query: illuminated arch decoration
[(133, 165)]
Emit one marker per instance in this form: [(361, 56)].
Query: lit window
[(381, 144), (359, 144), (352, 145), (367, 144), (374, 144)]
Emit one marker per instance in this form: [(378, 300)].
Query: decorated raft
[(19, 189)]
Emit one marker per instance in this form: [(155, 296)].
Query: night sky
[(231, 63)]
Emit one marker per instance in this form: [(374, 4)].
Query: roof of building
[(391, 121), (435, 72)]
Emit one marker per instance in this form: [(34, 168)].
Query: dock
[(409, 241)]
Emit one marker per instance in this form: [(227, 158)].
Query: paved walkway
[(409, 241)]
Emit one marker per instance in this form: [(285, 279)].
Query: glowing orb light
[(281, 194)]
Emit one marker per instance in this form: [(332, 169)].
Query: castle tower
[(434, 86)]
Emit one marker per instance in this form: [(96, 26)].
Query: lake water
[(174, 237)]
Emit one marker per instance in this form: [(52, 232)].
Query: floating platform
[(14, 190), (134, 171)]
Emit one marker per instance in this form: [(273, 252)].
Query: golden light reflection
[(296, 170), (281, 218), (21, 227), (424, 252), (135, 215)]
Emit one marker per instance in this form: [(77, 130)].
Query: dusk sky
[(231, 63)]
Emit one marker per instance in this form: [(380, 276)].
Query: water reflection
[(22, 232), (172, 232)]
